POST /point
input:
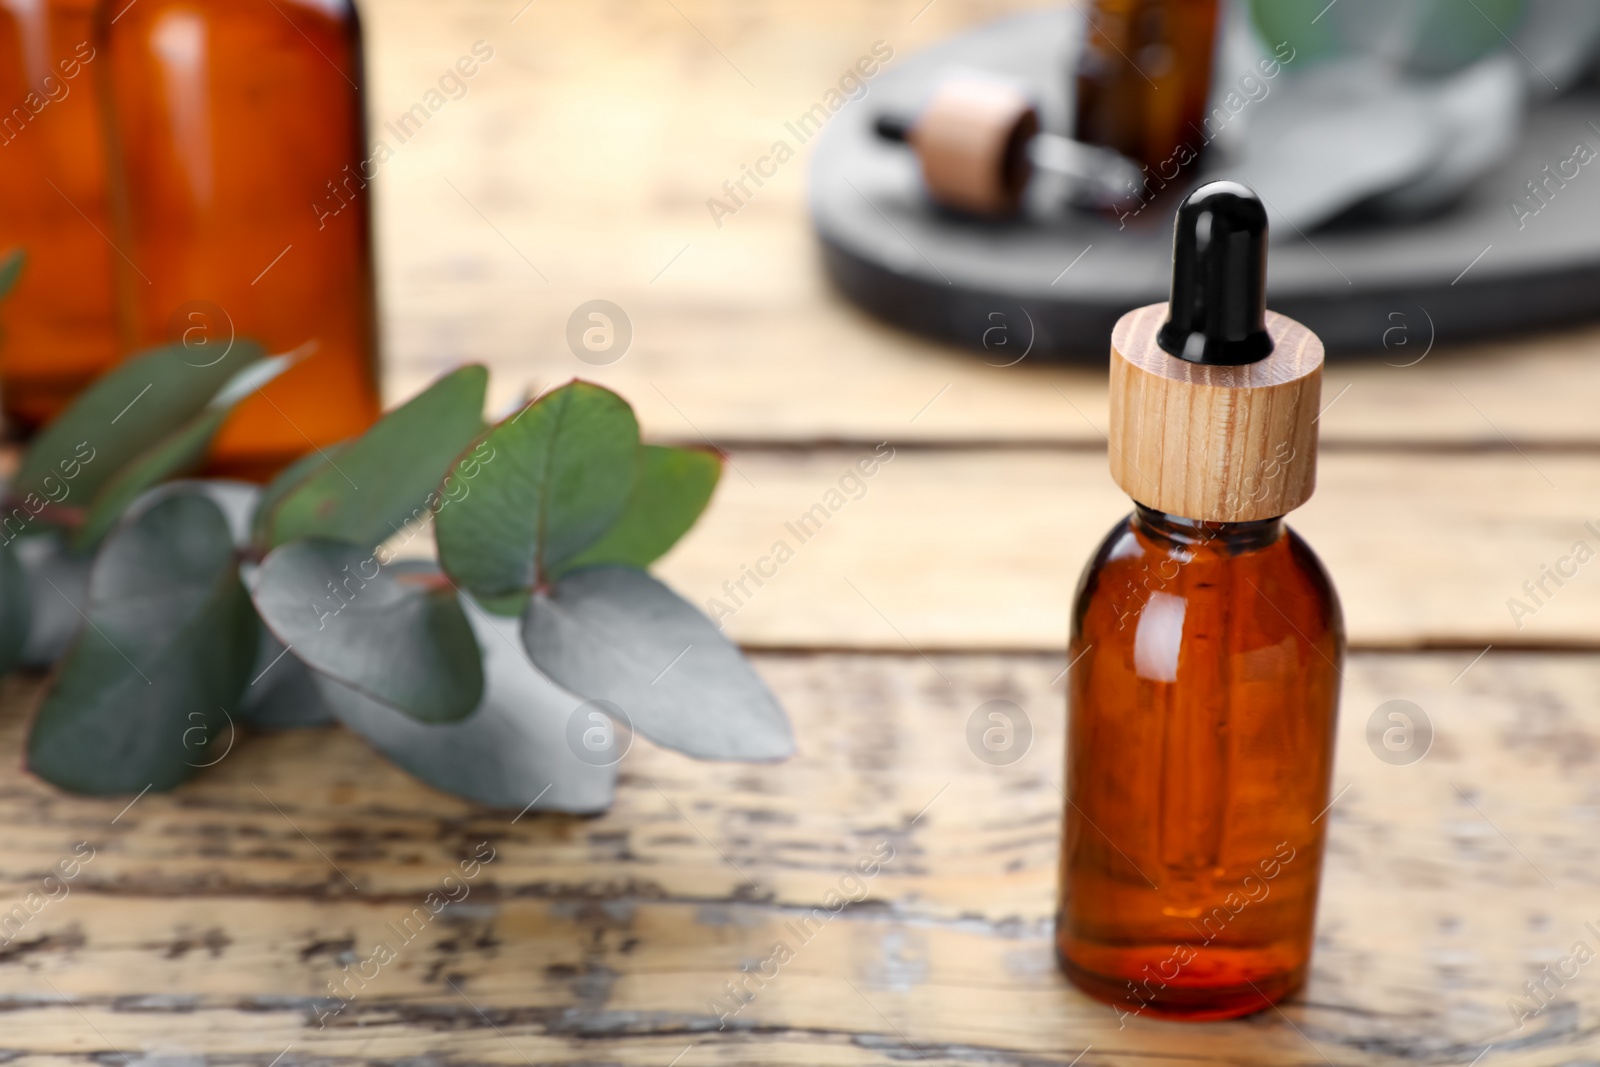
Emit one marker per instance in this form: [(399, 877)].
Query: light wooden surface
[(981, 549), (208, 922), (577, 167)]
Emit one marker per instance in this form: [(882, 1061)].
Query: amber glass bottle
[(1143, 80), (242, 186), (1206, 653), (1201, 743), (59, 327)]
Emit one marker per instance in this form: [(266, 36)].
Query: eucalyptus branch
[(512, 670)]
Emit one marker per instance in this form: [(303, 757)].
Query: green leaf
[(58, 581), (513, 751), (282, 694), (147, 686), (125, 412), (617, 634), (555, 477), (236, 499), (511, 606), (383, 478), (395, 639), (178, 452), (285, 482), (11, 265), (673, 487), (16, 609)]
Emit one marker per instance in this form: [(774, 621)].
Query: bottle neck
[(1233, 538)]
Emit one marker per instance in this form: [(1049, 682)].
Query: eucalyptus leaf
[(384, 477), (58, 581), (617, 634), (511, 752), (673, 487), (556, 477), (283, 692), (236, 499), (180, 451), (512, 605), (402, 640), (146, 688), (126, 411), (285, 483), (16, 609), (11, 265), (58, 576)]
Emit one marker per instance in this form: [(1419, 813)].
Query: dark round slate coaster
[(1053, 282)]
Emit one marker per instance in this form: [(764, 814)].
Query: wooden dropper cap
[(972, 141), (1214, 399)]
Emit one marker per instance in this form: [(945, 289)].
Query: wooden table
[(209, 922)]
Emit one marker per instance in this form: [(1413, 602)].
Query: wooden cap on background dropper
[(972, 140), (1214, 399)]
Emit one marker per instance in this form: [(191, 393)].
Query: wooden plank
[(579, 165), (964, 550), (207, 924)]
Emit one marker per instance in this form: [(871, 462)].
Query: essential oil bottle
[(242, 179), (1143, 79), (1206, 651), (58, 329)]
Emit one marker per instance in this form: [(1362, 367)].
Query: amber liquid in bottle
[(240, 167), (1201, 715), (59, 328), (1144, 78)]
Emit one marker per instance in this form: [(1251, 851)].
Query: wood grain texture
[(958, 549), (1219, 444), (209, 922)]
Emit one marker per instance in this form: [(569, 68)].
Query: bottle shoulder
[(1309, 563), (342, 14), (1131, 569)]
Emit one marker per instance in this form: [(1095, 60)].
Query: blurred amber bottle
[(59, 327), (241, 186), (1144, 77)]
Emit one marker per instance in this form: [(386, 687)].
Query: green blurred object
[(11, 263), (1419, 36)]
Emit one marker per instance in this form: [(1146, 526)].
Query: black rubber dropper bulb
[(1217, 313)]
